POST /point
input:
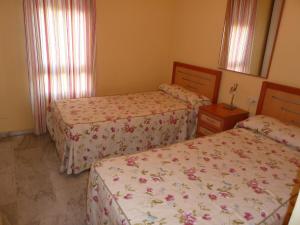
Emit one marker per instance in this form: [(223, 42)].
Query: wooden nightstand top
[(221, 112)]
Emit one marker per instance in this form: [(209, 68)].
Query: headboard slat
[(281, 102), (201, 80), (285, 100)]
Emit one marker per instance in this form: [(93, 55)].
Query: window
[(63, 50)]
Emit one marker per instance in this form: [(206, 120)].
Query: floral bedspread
[(93, 128), (233, 178)]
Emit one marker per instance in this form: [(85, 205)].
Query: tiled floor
[(32, 191)]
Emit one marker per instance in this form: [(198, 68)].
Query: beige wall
[(15, 111), (133, 52), (198, 31)]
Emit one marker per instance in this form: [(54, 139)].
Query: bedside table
[(215, 118)]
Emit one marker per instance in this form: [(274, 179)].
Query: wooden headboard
[(281, 102), (200, 80)]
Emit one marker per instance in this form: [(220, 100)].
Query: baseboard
[(15, 133)]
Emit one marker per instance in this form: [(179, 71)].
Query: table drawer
[(211, 121), (203, 131)]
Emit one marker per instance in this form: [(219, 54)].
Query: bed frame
[(281, 102), (201, 80)]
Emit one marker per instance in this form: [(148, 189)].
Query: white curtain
[(61, 43)]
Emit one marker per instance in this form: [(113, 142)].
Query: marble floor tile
[(32, 141), (5, 144), (31, 211), (50, 157), (10, 212), (34, 185), (6, 158), (8, 191), (71, 194), (11, 141), (36, 193)]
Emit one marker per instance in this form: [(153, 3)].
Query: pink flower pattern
[(275, 129), (189, 219), (169, 198), (143, 180), (88, 129), (248, 216), (178, 185)]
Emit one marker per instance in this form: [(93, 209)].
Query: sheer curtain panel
[(61, 44), (238, 35)]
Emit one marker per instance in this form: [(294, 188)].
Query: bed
[(87, 129), (247, 175)]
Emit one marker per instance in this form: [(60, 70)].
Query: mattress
[(235, 177), (93, 128)]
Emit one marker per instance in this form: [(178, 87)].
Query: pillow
[(274, 129), (184, 94)]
